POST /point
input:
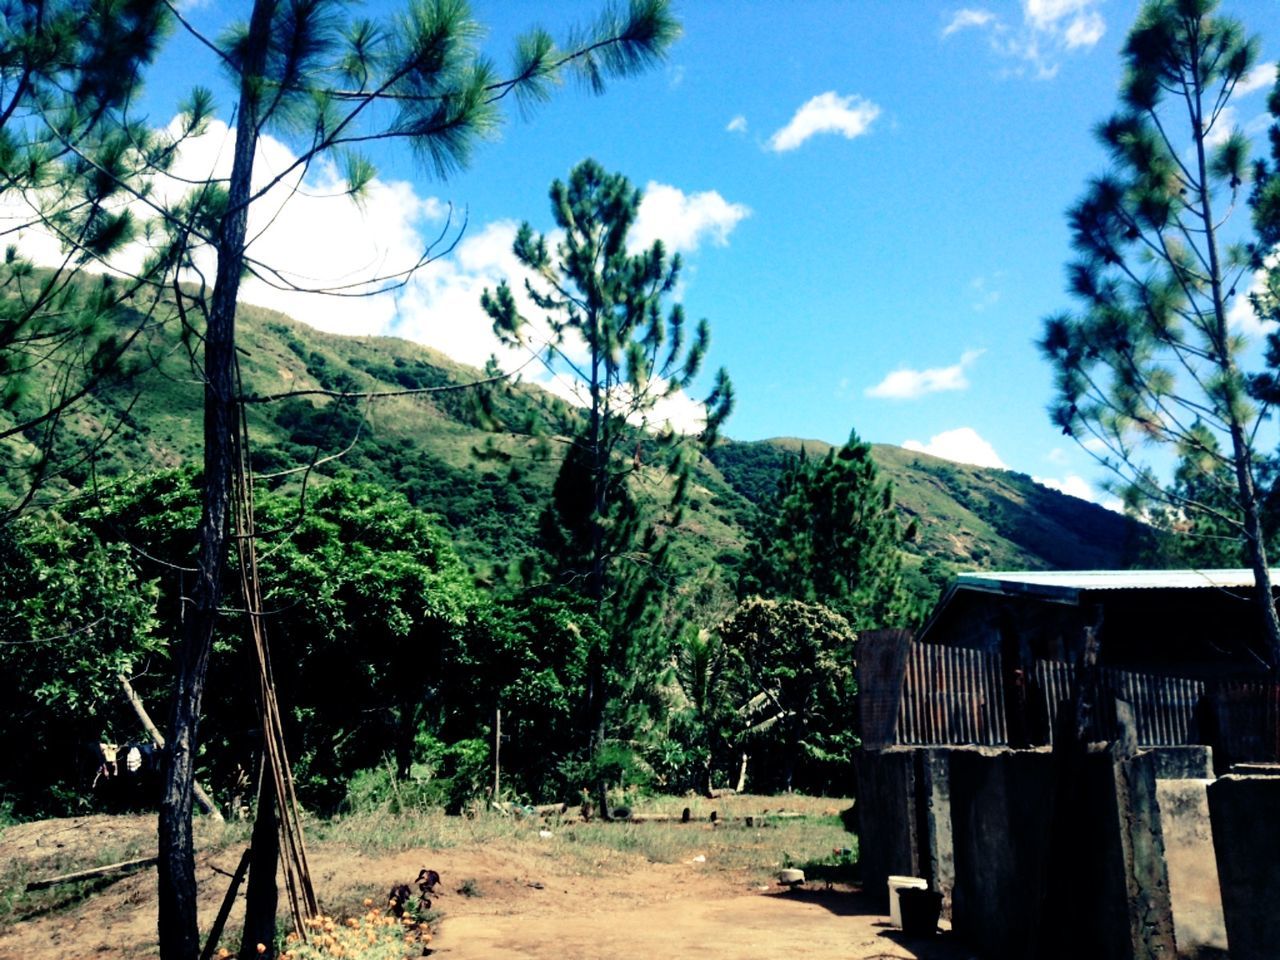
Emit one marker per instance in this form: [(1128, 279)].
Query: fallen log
[(125, 866)]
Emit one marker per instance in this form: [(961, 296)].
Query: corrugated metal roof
[(1066, 586), (1068, 583)]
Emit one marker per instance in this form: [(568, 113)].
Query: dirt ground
[(526, 899)]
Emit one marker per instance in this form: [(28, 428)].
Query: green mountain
[(426, 446)]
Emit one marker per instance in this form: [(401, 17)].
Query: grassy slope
[(423, 445)]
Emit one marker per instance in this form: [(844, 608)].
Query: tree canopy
[(830, 535)]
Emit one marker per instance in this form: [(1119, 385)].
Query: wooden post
[(113, 868), (497, 749)]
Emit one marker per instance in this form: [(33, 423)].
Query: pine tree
[(70, 68), (595, 294), (328, 80), (831, 536), (1150, 360)]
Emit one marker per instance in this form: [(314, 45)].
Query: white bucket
[(896, 884)]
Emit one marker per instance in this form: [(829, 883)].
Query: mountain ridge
[(425, 444)]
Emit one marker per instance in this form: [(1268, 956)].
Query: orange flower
[(262, 948)]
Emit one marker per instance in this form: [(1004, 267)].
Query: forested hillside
[(425, 446), (401, 537)]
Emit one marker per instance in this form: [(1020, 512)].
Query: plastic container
[(920, 911), (902, 883)]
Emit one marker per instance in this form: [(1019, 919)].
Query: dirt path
[(812, 926), (533, 900)]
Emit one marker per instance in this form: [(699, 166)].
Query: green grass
[(785, 831)]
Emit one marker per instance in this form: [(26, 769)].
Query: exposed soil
[(528, 901)]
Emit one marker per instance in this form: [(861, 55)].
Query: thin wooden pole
[(215, 933), (497, 749), (124, 867)]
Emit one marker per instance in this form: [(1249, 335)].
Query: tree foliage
[(69, 158), (1151, 361), (831, 536), (75, 611), (796, 688), (595, 294)]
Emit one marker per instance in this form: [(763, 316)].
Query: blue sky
[(869, 197)]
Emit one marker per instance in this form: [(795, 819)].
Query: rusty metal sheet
[(881, 660), (954, 696)]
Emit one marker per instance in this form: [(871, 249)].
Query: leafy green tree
[(593, 293), (831, 536), (797, 686), (74, 614), (376, 608), (528, 658), (1150, 361), (1203, 538)]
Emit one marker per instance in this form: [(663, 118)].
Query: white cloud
[(1049, 30), (908, 384), (1057, 456), (984, 293), (1261, 77), (828, 112), (737, 125), (1085, 30), (963, 445), (966, 19), (1242, 318), (1047, 14), (1075, 485), (293, 230), (682, 220)]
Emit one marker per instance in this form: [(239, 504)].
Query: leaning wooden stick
[(135, 701)]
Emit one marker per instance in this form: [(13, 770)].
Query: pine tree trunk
[(262, 898), (176, 904)]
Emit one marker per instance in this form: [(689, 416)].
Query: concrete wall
[(937, 844), (997, 807), (1194, 762), (1059, 856), (1244, 811), (1102, 857), (1193, 872), (887, 819)]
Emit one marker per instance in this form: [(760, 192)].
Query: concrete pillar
[(1244, 810), (1193, 872), (1146, 878), (936, 843), (887, 819)]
